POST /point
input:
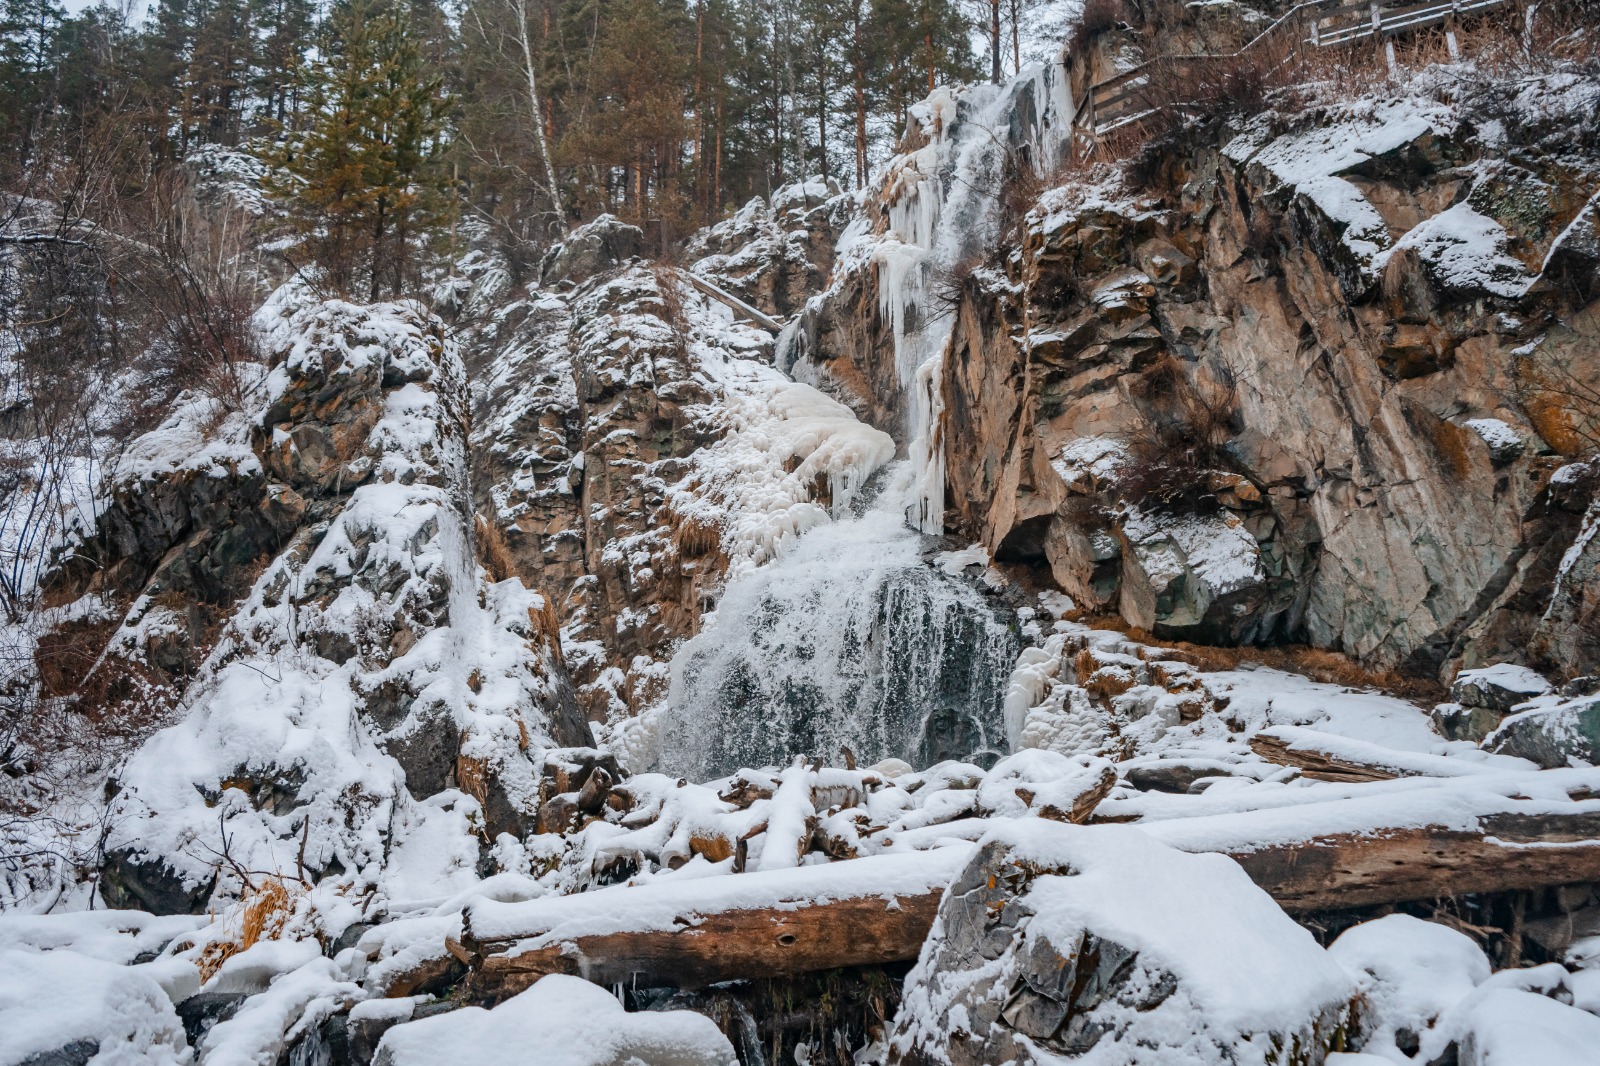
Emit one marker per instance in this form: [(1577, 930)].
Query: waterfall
[(944, 213), (849, 640)]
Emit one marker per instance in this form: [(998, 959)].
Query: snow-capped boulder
[(559, 1021), (1060, 943), (1410, 973), (60, 1007), (1566, 733), (1482, 698), (1499, 687)]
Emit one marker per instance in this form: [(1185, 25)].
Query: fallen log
[(693, 933), (878, 910), (1326, 757)]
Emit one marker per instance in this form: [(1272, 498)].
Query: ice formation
[(849, 640), (944, 212)]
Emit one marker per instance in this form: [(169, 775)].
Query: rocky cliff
[(1317, 378)]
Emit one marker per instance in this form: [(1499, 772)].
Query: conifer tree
[(361, 179)]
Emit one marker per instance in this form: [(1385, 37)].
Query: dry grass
[(494, 554), (1274, 74), (1328, 667), (265, 916), (472, 777)]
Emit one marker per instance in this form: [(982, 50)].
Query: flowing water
[(850, 640)]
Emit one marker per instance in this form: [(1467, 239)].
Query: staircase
[(1123, 98)]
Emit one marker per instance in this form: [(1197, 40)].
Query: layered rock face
[(369, 666), (1315, 381)]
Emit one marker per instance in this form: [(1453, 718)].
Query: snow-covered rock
[(559, 1021), (85, 1010), (1410, 973), (1100, 945), (372, 665)]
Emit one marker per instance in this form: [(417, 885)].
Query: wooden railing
[(1124, 97)]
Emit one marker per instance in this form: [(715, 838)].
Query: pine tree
[(285, 27), (361, 175), (218, 73), (29, 48)]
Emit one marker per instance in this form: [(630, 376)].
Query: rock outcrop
[(370, 665), (1299, 380)]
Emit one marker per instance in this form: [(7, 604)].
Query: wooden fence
[(1124, 97)]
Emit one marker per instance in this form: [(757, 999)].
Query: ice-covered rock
[(1059, 943)]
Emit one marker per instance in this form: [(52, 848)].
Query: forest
[(385, 124)]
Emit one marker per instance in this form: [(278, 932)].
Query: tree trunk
[(536, 113), (858, 62), (994, 41), (700, 198)]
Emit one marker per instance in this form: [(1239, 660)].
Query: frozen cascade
[(850, 639), (944, 212)]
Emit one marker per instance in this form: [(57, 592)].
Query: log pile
[(878, 910)]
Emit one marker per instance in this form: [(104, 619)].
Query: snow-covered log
[(1344, 853), (698, 932)]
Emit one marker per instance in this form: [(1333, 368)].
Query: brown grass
[(494, 554), (267, 911), (1318, 664), (472, 777)]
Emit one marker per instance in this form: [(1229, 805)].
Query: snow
[(1498, 435), (51, 1000), (1245, 963), (203, 434), (540, 923), (559, 1021), (1466, 251), (1518, 680), (268, 1023), (270, 706), (1245, 974), (1410, 972), (1509, 1027), (1311, 160)]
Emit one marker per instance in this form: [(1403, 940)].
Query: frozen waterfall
[(849, 640), (944, 212)]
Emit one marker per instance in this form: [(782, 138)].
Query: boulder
[(590, 249), (1498, 688), (1552, 736), (1472, 724), (133, 880), (1060, 941)]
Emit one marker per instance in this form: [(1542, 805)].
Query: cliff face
[(1317, 379)]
